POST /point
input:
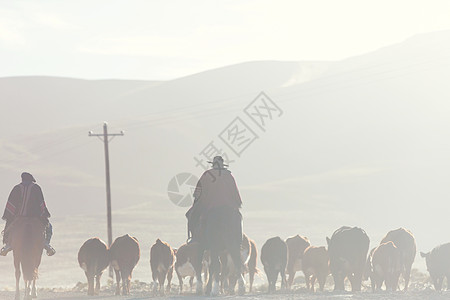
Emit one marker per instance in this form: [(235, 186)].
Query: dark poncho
[(26, 200)]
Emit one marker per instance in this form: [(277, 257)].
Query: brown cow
[(162, 259), (274, 259), (315, 266), (93, 258), (187, 264), (124, 254), (438, 265), (406, 243), (386, 266), (296, 247), (348, 249)]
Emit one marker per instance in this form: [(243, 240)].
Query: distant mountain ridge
[(363, 139)]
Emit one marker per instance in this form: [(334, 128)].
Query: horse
[(27, 241), (221, 230)]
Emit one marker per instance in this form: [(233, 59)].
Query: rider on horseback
[(215, 188), (26, 199)]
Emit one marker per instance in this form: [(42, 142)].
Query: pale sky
[(158, 40)]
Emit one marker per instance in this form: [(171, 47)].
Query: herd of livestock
[(346, 257)]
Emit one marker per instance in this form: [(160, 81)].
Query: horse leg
[(17, 297), (236, 258), (27, 295), (198, 266), (214, 272), (33, 289)]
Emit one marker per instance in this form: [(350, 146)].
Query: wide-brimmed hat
[(27, 177), (218, 160)]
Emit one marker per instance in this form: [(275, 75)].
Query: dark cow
[(348, 249), (406, 243), (93, 258), (386, 266), (438, 265), (274, 259), (296, 247), (124, 254), (187, 264), (315, 266), (162, 259)]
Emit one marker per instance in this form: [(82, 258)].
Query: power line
[(105, 138)]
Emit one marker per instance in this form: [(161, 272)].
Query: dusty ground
[(415, 295), (420, 289)]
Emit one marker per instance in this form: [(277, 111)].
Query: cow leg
[(169, 279), (339, 281), (322, 279), (378, 282), (232, 283), (269, 275), (448, 282), (155, 275), (283, 278), (97, 284), (251, 277), (180, 282), (90, 281), (356, 281), (407, 274), (162, 279), (307, 280), (291, 275), (117, 282), (438, 283), (191, 282), (313, 282), (33, 289), (125, 282)]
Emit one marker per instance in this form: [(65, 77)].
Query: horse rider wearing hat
[(216, 187), (26, 199)]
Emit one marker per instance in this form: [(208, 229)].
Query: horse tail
[(29, 268)]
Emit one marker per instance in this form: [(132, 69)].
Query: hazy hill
[(363, 141)]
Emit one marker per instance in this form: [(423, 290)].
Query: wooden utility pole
[(105, 138)]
